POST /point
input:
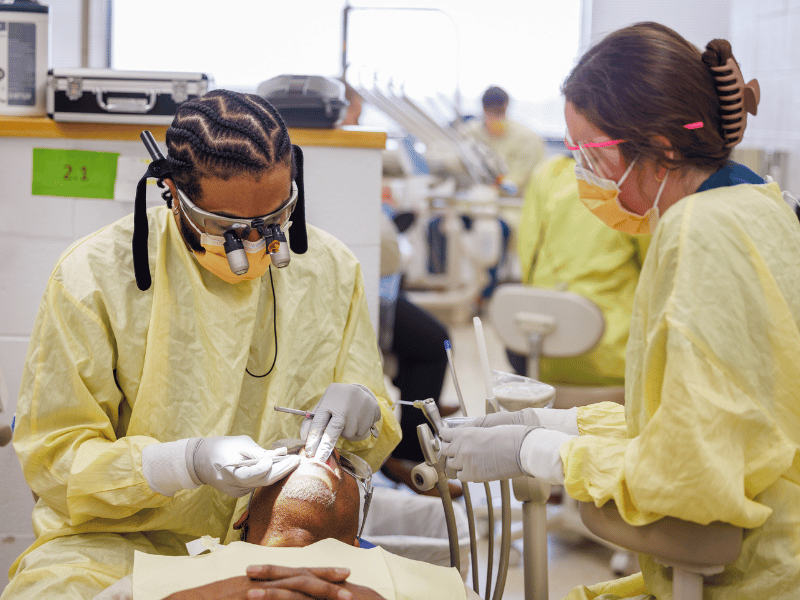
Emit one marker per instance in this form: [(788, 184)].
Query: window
[(526, 47)]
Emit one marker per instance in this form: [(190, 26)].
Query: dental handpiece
[(428, 406)]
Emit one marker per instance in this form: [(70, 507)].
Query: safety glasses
[(594, 155), (604, 153), (218, 225), (359, 469)]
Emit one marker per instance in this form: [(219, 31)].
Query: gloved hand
[(234, 465), (483, 453), (508, 187), (346, 410), (526, 417)]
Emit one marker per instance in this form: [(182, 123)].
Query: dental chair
[(691, 550), (540, 323)]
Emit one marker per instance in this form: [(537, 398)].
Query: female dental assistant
[(710, 429), (147, 397)]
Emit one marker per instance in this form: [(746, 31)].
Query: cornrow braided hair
[(223, 134)]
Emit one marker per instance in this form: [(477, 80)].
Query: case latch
[(74, 88), (180, 91)]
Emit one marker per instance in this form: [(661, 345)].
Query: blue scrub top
[(731, 174)]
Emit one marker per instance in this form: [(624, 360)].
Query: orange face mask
[(497, 127), (215, 259), (601, 196)]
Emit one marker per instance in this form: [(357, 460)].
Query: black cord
[(274, 330)]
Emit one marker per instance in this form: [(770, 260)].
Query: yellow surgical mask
[(497, 127), (601, 196), (215, 260)]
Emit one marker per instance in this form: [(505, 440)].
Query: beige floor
[(572, 560)]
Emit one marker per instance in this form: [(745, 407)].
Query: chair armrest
[(668, 539)]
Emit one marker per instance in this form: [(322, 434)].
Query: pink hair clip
[(697, 125)]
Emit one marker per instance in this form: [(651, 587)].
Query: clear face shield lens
[(218, 225), (597, 157), (360, 470)]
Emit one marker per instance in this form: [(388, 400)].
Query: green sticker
[(74, 173)]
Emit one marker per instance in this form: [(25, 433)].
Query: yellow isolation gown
[(112, 369), (710, 429)]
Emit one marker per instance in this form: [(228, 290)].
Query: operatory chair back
[(537, 322)]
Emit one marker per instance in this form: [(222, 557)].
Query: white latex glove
[(346, 410), (234, 465), (526, 417), (483, 453), (558, 419), (540, 455)]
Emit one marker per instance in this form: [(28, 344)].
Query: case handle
[(137, 105)]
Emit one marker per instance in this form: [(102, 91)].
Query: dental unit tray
[(111, 96), (306, 100)]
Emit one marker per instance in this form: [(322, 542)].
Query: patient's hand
[(319, 583), (271, 582)]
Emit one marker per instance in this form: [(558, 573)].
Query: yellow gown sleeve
[(602, 418), (711, 423), (618, 589), (67, 413)]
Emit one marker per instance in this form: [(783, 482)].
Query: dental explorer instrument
[(310, 415)]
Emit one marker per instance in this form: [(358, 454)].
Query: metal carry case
[(111, 96), (306, 100)]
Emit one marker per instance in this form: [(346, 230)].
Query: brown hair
[(646, 80)]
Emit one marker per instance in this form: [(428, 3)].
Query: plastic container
[(515, 392), (413, 526), (24, 44), (306, 100)]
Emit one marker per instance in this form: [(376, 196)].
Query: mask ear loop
[(628, 172)]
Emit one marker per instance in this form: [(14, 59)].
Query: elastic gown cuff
[(539, 454), (164, 467)]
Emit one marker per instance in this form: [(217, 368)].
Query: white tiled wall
[(764, 37), (342, 188), (698, 22)]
